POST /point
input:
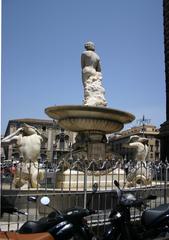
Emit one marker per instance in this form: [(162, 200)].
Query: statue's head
[(28, 130), (133, 138), (143, 140), (90, 46)]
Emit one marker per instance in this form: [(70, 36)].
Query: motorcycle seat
[(17, 236), (76, 214), (37, 226), (152, 216)]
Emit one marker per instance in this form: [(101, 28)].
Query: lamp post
[(143, 121)]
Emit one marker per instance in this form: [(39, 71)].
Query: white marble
[(94, 92), (140, 174), (141, 146), (28, 141)]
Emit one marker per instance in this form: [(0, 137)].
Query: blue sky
[(42, 41)]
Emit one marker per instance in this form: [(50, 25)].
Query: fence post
[(165, 180), (85, 185)]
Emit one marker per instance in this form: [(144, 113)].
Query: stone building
[(164, 130), (58, 141), (148, 131)]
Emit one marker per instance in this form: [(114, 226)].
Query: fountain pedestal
[(93, 143), (96, 151)]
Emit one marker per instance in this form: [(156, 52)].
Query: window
[(44, 128), (151, 148)]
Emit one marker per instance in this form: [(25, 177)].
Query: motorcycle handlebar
[(116, 183), (151, 197), (91, 211), (12, 210), (22, 212), (138, 202), (142, 201)]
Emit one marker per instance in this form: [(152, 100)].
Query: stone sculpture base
[(96, 151), (92, 145), (139, 175), (75, 180)]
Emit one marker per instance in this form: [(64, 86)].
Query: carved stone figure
[(140, 174), (94, 93), (141, 146), (28, 140)]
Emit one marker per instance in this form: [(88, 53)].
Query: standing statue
[(28, 141), (94, 93), (140, 173)]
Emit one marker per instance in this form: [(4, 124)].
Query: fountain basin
[(78, 118)]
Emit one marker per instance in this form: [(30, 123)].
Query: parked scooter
[(71, 224), (154, 222), (74, 216), (63, 230)]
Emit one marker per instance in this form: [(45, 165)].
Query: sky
[(42, 42)]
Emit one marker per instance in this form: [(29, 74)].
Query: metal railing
[(69, 184)]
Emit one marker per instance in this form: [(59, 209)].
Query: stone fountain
[(92, 120)]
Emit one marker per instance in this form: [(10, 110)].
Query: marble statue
[(28, 141), (141, 146), (94, 93), (140, 174)]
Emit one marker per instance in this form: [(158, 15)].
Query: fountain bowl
[(79, 118)]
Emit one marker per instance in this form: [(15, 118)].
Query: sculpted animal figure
[(140, 173), (141, 146), (28, 141)]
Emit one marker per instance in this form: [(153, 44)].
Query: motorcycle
[(63, 230), (154, 222), (70, 224), (74, 216)]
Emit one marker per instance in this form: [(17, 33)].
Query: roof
[(31, 120), (43, 122)]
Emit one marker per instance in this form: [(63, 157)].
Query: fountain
[(92, 120)]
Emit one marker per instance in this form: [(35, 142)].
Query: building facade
[(58, 141), (150, 132), (164, 130)]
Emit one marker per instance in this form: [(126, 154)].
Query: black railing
[(69, 184)]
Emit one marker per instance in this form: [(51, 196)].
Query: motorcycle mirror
[(95, 187), (116, 184), (32, 198), (151, 197), (45, 200)]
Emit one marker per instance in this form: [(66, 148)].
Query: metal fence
[(69, 184)]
